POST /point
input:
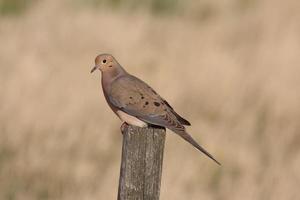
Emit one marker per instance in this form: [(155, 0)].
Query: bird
[(136, 103)]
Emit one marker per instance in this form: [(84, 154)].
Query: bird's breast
[(130, 119)]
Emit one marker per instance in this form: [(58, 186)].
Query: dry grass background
[(230, 67)]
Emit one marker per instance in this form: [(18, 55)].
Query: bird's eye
[(104, 61)]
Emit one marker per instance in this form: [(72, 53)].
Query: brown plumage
[(136, 103)]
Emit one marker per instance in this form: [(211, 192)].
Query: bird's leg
[(124, 127)]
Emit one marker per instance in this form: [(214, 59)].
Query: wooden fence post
[(141, 165)]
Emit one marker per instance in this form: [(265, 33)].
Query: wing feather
[(136, 98)]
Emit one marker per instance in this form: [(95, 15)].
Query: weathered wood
[(141, 165)]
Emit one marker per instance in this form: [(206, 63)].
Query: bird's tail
[(190, 140)]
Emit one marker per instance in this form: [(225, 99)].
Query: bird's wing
[(138, 99)]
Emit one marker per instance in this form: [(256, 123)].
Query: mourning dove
[(136, 103)]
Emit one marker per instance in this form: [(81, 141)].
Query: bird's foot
[(124, 127)]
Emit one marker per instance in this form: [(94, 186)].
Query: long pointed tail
[(190, 140)]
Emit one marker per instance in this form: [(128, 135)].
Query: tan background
[(230, 67)]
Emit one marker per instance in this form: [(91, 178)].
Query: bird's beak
[(94, 68)]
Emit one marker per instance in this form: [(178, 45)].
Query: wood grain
[(141, 165)]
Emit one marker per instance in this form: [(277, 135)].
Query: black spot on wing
[(156, 103)]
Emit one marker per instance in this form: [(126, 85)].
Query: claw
[(124, 127)]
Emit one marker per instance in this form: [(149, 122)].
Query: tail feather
[(190, 140), (170, 121)]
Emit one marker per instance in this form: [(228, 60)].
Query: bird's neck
[(109, 77)]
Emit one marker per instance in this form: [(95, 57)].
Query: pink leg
[(124, 127)]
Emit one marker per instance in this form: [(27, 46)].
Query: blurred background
[(230, 67)]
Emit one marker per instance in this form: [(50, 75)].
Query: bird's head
[(104, 62)]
